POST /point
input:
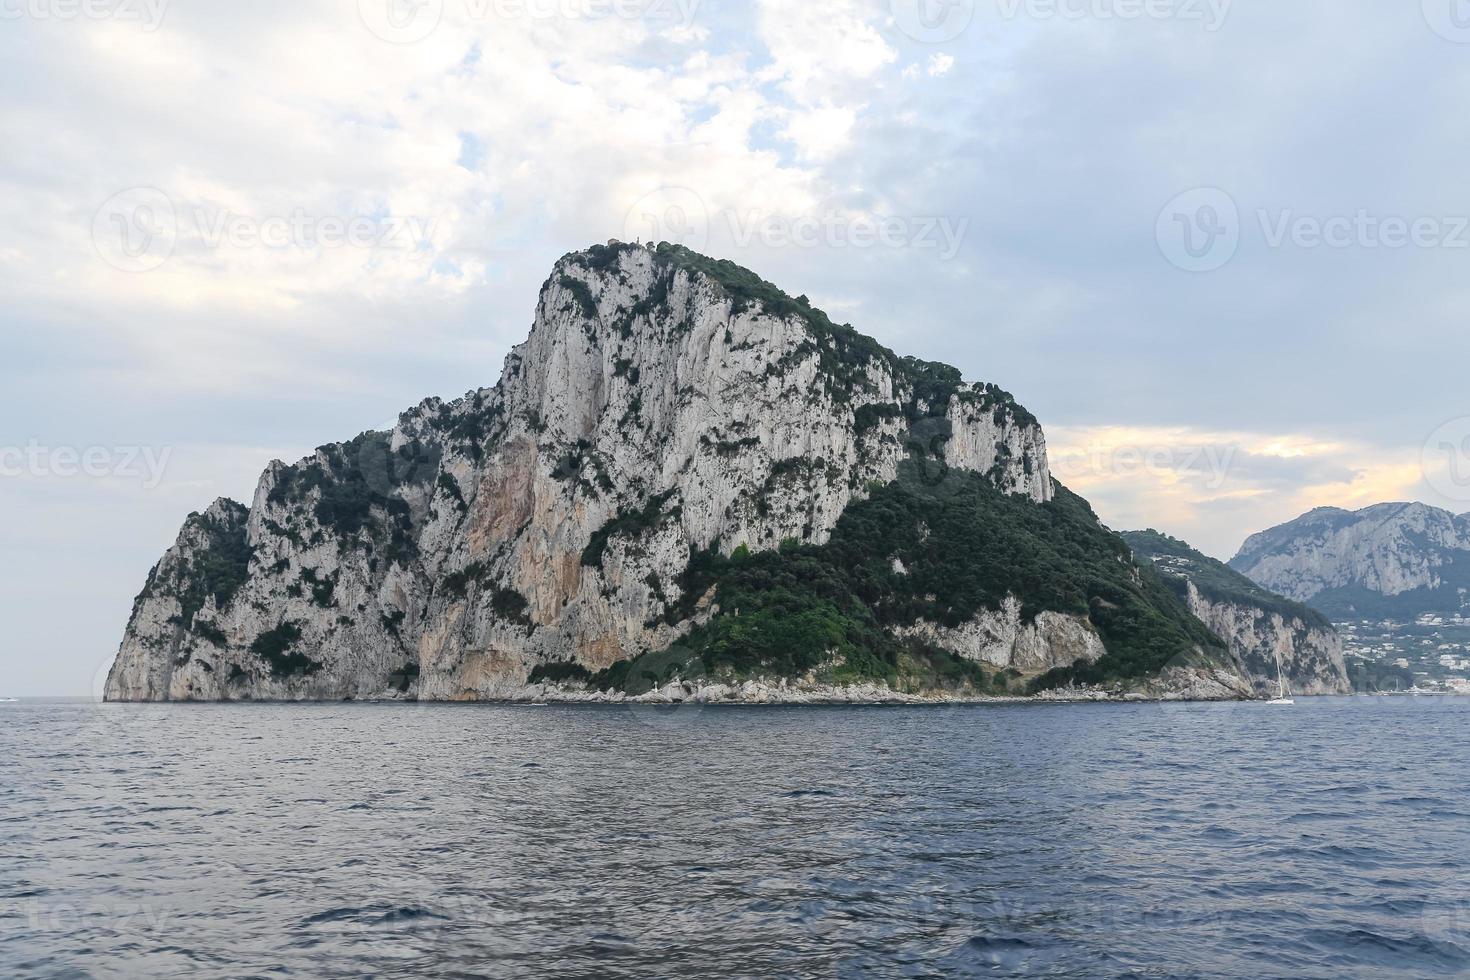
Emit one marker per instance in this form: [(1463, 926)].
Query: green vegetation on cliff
[(1216, 581), (355, 485), (217, 570), (274, 647), (626, 523), (937, 547)]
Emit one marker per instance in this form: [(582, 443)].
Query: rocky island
[(686, 483), (1393, 560)]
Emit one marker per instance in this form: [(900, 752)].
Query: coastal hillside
[(685, 478), (1266, 631), (1389, 561)]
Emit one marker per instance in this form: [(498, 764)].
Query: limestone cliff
[(1385, 561), (666, 410), (1266, 631)]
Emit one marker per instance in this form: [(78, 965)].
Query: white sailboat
[(1283, 696)]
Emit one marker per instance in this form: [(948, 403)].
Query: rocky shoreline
[(779, 692), (861, 695)]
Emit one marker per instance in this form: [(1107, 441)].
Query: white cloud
[(819, 49), (820, 133), (315, 117), (940, 64)]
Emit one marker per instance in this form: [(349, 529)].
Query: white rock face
[(1269, 635), (1003, 640), (1309, 656), (1389, 549), (648, 416)]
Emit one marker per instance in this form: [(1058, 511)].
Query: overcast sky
[(1220, 249)]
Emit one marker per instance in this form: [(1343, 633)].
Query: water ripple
[(1064, 841)]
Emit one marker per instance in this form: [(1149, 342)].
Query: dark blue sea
[(1328, 840)]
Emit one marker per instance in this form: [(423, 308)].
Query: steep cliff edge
[(1263, 629), (1386, 561), (663, 470)]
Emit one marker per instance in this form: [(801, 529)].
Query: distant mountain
[(1388, 561), (1262, 628), (687, 483)]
